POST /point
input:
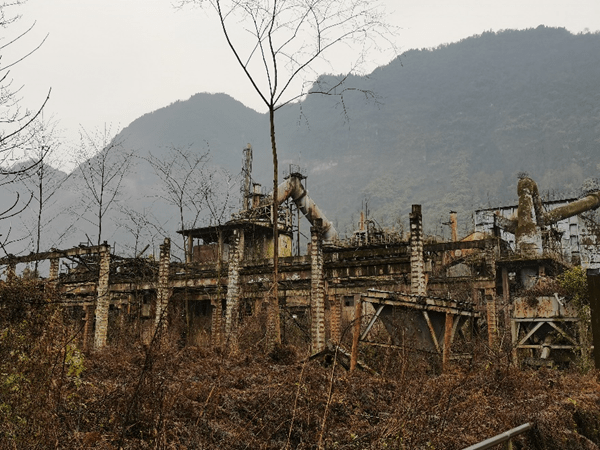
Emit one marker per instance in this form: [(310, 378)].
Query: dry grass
[(164, 396)]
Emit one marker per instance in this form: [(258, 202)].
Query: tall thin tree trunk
[(39, 218), (273, 328)]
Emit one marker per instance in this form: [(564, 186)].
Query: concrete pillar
[(418, 285), (317, 289), (236, 254), (88, 326), (528, 235), (103, 300), (216, 322), (505, 286), (492, 320), (189, 249), (163, 293), (335, 311), (54, 265)]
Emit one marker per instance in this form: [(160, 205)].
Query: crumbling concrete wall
[(236, 255), (335, 314), (418, 285), (163, 293), (103, 300), (317, 290)]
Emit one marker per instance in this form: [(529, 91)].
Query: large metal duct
[(292, 188), (590, 201), (531, 217)]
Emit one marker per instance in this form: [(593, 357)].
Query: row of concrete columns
[(317, 294), (163, 294), (317, 291)]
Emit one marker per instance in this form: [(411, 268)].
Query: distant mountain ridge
[(451, 129)]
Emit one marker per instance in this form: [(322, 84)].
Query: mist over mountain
[(450, 128)]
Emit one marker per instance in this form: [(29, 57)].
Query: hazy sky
[(111, 61)]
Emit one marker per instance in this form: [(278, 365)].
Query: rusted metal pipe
[(582, 205), (292, 188), (500, 438)]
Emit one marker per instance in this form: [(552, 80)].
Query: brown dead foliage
[(164, 395)]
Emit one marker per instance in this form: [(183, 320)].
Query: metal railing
[(501, 438)]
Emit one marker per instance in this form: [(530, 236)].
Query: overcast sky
[(111, 61)]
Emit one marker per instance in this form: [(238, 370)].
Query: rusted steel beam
[(458, 245), (372, 322), (563, 333), (423, 307), (420, 303), (546, 319), (552, 346), (500, 438), (531, 332), (432, 331), (76, 251)]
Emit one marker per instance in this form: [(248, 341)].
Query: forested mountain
[(450, 128)]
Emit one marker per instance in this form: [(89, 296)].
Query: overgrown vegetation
[(163, 395)]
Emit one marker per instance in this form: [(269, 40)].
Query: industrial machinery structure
[(428, 295)]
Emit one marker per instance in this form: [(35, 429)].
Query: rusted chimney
[(528, 234), (255, 195), (417, 263), (453, 226)]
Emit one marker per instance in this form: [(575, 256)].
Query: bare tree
[(17, 130), (186, 185), (284, 42), (103, 163), (45, 182), (143, 226)]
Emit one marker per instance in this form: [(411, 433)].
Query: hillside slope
[(451, 128)]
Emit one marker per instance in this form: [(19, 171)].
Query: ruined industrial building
[(409, 291)]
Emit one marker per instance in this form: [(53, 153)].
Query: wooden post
[(514, 333), (356, 334), (447, 340)]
